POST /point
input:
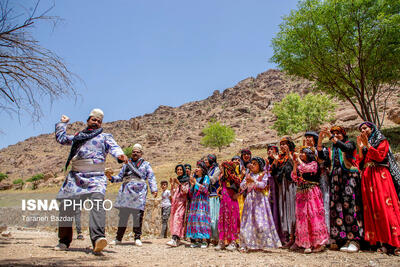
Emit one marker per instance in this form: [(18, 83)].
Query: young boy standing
[(165, 208)]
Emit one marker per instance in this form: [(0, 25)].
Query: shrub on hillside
[(36, 177), (18, 181), (3, 176)]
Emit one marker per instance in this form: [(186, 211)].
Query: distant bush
[(128, 151), (36, 177), (18, 181), (217, 135), (3, 176)]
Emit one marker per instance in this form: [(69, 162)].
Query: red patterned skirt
[(311, 229)]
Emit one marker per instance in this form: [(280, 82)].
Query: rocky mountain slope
[(173, 134)]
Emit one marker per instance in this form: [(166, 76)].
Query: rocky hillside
[(173, 134)]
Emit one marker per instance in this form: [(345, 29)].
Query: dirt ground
[(34, 248)]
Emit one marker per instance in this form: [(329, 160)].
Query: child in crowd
[(257, 229), (311, 229), (165, 208)]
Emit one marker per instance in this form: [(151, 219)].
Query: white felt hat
[(97, 113), (137, 147)]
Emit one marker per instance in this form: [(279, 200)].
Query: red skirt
[(381, 207)]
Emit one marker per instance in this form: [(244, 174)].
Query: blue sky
[(136, 55)]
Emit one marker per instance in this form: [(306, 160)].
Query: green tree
[(295, 114), (217, 135), (350, 49)]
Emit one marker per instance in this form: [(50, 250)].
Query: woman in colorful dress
[(311, 231), (188, 169), (257, 229), (199, 222), (240, 196), (180, 189), (380, 174), (273, 151), (213, 173), (312, 139), (229, 220), (346, 203), (282, 168)]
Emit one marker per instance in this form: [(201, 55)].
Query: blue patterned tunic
[(132, 194), (96, 149), (199, 222)]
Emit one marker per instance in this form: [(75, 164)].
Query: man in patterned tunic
[(132, 194), (86, 181)]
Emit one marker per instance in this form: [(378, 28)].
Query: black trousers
[(97, 217), (165, 213), (78, 221), (137, 216)]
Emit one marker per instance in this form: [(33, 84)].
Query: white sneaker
[(204, 245), (352, 248), (172, 243), (195, 245), (218, 248), (60, 247), (231, 247), (138, 243), (100, 244), (344, 248), (115, 242), (307, 251)]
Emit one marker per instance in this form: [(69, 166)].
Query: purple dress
[(257, 229)]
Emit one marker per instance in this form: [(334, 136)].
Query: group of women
[(304, 198)]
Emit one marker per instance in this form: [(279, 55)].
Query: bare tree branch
[(28, 70)]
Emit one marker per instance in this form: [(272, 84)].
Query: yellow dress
[(241, 204)]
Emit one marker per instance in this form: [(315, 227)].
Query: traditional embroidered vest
[(347, 162)]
